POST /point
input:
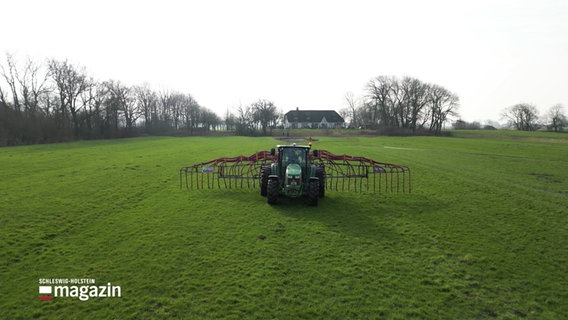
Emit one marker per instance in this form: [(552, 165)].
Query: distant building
[(324, 119)]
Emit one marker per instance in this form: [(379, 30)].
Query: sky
[(306, 54)]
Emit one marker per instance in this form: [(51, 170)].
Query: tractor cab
[(293, 161), (291, 155)]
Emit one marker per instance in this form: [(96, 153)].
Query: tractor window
[(293, 155)]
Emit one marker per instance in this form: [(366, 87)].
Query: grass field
[(484, 233)]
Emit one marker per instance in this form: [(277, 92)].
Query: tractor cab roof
[(280, 146)]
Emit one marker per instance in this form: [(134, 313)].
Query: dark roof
[(313, 116)]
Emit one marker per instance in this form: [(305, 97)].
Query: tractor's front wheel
[(313, 193), (272, 190)]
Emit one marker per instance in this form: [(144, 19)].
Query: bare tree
[(110, 110), (9, 72), (93, 100), (407, 104), (33, 83), (161, 110), (351, 111), (124, 103), (264, 113), (192, 111), (3, 97), (557, 120), (244, 120), (147, 101), (130, 108), (230, 121), (443, 104), (209, 119), (71, 81), (522, 116), (416, 100), (381, 105)]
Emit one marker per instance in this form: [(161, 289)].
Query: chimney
[(297, 109)]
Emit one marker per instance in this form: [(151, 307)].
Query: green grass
[(484, 233)]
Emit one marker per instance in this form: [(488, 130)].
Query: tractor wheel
[(320, 173), (272, 191), (264, 172), (313, 193)]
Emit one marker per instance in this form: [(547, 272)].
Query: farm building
[(297, 119)]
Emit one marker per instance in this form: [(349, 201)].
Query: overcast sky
[(306, 54)]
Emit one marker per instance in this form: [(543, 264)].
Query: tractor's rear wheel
[(272, 191), (313, 193), (320, 173), (264, 172)]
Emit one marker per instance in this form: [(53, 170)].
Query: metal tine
[(219, 181)]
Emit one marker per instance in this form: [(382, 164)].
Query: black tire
[(320, 173), (264, 172), (313, 193), (272, 191)]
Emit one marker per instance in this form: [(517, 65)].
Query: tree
[(464, 125), (3, 101), (209, 119), (230, 121), (192, 111), (380, 106), (127, 105), (33, 83), (10, 77), (442, 104), (407, 104), (351, 111), (27, 84), (94, 99), (264, 113), (417, 99), (57, 101), (244, 121), (112, 106), (163, 117), (522, 116), (147, 101), (71, 81), (557, 120)]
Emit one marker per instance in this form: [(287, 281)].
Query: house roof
[(313, 116)]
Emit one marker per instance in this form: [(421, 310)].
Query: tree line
[(525, 117), (408, 105), (58, 101), (405, 105)]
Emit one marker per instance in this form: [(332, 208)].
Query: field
[(484, 233)]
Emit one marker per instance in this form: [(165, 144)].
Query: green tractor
[(294, 174)]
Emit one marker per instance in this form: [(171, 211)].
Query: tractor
[(297, 171), (293, 174)]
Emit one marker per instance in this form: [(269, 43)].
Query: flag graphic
[(45, 290)]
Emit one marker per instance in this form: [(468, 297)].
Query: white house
[(327, 119)]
